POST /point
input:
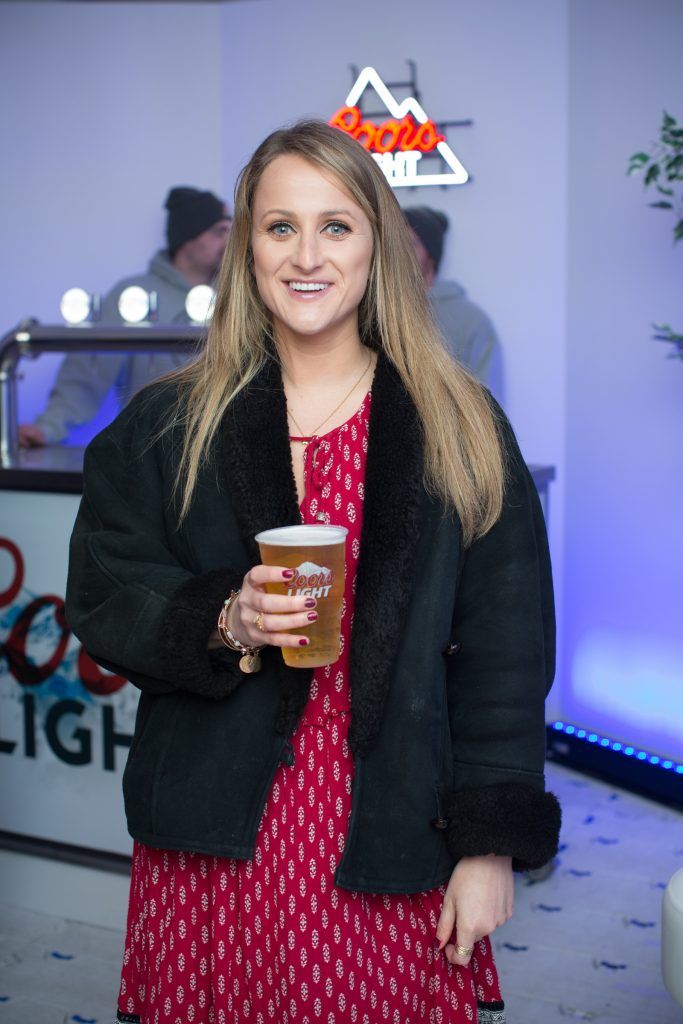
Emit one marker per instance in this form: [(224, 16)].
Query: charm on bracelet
[(250, 661)]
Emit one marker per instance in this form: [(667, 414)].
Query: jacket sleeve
[(137, 610), (83, 381), (504, 622), (81, 385)]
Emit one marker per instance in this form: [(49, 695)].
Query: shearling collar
[(263, 493)]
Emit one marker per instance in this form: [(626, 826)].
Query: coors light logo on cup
[(316, 553), (311, 581)]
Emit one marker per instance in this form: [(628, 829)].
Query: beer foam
[(303, 536)]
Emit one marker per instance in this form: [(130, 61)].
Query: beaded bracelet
[(250, 660)]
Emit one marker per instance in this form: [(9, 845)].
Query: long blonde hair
[(464, 461)]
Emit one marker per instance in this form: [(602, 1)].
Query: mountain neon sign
[(399, 143)]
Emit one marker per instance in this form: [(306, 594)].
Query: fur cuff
[(511, 820), (192, 616)]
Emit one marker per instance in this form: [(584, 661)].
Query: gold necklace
[(306, 438)]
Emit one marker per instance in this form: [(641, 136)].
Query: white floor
[(583, 944)]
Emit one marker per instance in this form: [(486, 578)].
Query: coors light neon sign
[(399, 143)]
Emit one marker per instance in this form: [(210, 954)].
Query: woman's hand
[(279, 611), (479, 898)]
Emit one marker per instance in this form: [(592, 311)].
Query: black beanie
[(430, 226), (189, 213)]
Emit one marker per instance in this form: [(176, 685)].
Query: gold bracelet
[(250, 660)]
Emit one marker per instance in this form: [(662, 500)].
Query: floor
[(583, 944)]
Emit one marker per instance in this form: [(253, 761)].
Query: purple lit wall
[(622, 668)]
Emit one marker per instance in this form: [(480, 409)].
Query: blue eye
[(337, 229), (280, 229)]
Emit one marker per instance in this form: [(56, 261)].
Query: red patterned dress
[(212, 940)]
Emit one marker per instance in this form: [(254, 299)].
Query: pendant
[(250, 663)]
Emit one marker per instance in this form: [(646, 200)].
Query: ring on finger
[(258, 622), (464, 950)]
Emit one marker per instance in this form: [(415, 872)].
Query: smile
[(308, 287)]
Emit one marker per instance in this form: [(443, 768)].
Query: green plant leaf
[(665, 191), (641, 158), (652, 174), (678, 231), (661, 205), (669, 121)]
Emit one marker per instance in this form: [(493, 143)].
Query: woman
[(334, 844)]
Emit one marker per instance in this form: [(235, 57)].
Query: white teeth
[(307, 286)]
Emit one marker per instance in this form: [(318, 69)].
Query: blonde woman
[(333, 844)]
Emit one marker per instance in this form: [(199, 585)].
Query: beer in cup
[(316, 553)]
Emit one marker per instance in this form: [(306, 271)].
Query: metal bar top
[(35, 338)]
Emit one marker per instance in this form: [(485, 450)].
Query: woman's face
[(312, 248)]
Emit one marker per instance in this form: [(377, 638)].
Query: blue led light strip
[(626, 750)]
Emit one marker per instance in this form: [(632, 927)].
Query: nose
[(308, 255)]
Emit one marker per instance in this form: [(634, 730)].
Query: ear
[(430, 275)]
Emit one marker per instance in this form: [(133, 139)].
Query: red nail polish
[(303, 642), (288, 574), (309, 602), (312, 616)]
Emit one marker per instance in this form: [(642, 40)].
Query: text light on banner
[(399, 142)]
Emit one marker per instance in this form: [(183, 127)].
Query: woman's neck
[(311, 363), (323, 382)]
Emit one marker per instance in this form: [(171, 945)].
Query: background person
[(197, 228), (317, 826), (465, 327)]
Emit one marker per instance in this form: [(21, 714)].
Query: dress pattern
[(213, 940)]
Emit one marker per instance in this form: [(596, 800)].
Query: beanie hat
[(430, 226), (189, 213)]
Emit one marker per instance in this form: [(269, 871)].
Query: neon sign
[(398, 143)]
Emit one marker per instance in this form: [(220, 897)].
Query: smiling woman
[(333, 843), (312, 254)]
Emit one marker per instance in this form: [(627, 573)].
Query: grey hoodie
[(85, 378), (469, 334)]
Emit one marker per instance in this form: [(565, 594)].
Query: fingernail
[(312, 616), (309, 602), (303, 642), (288, 573)]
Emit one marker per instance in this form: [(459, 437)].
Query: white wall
[(623, 667), (104, 107)]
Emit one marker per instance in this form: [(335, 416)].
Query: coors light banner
[(65, 724)]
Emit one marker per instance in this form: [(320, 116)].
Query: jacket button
[(440, 823), (287, 755), (453, 647)]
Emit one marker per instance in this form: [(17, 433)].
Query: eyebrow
[(324, 213)]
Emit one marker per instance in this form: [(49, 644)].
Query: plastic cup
[(316, 553)]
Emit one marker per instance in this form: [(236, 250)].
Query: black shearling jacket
[(452, 651)]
